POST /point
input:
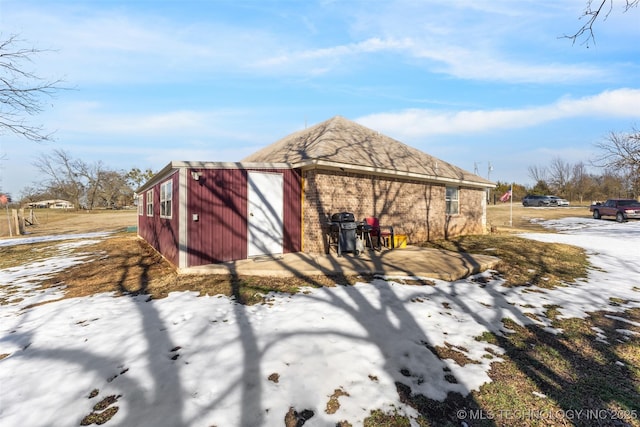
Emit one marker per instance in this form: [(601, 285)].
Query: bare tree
[(114, 190), (537, 173), (597, 9), (560, 173), (619, 150), (86, 184), (22, 91), (31, 194), (64, 174), (92, 176), (580, 180), (612, 184)]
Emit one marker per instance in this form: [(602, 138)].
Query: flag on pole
[(3, 199), (506, 196)]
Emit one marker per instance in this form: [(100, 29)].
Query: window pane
[(452, 193), (166, 190), (150, 203), (451, 200), (449, 192)]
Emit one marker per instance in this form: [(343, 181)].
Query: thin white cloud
[(111, 45), (437, 55), (417, 123), (92, 119), (485, 65), (495, 41), (372, 45)]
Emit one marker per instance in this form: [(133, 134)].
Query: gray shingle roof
[(342, 141)]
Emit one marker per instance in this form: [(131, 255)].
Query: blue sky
[(472, 82)]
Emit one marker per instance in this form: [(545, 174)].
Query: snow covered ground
[(203, 361)]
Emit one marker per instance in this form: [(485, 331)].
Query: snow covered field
[(203, 361)]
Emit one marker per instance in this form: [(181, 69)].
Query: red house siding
[(162, 233), (292, 211), (219, 199)]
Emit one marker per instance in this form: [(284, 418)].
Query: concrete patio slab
[(409, 261)]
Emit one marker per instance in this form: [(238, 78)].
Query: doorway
[(265, 213)]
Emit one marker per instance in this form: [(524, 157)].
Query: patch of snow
[(627, 332), (22, 284), (600, 336), (52, 238)]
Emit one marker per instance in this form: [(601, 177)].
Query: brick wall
[(413, 208)]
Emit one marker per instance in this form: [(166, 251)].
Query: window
[(166, 195), (150, 202), (452, 201), (139, 200)]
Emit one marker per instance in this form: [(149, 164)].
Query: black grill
[(343, 217), (342, 232)]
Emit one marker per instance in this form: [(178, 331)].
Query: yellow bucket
[(399, 241)]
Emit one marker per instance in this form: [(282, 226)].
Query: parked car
[(536, 200), (559, 201), (622, 209)]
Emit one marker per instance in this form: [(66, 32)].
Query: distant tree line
[(86, 185), (619, 160)]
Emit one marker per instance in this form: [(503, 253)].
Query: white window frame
[(149, 202), (166, 199), (140, 203), (452, 200)]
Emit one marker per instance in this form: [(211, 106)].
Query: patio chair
[(382, 235)]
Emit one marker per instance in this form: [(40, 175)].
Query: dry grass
[(542, 264), (12, 256), (517, 218), (60, 221), (126, 265)]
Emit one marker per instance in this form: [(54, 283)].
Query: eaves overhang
[(391, 173), (312, 164), (175, 165)]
